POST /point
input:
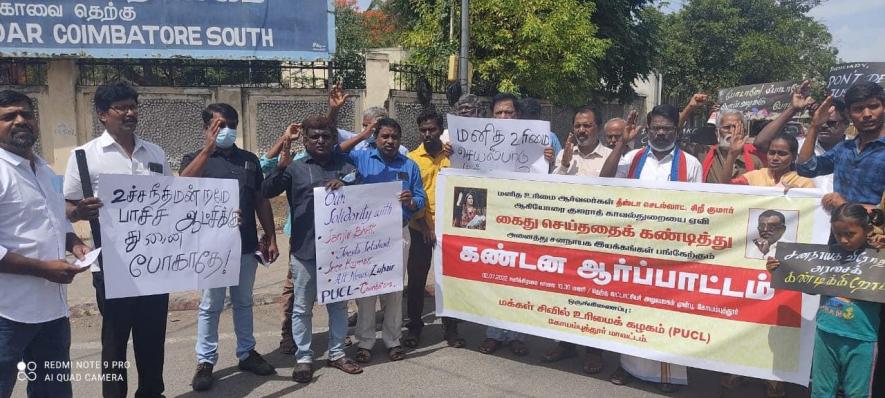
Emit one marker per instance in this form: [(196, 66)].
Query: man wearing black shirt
[(221, 158), (320, 167)]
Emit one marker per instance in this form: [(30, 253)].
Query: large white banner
[(359, 232), (168, 234), (499, 144)]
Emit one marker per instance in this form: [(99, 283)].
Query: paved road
[(433, 370)]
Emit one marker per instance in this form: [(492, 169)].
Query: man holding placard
[(384, 163), (34, 235), (320, 167), (221, 158), (120, 151)]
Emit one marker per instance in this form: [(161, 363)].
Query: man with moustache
[(319, 167), (384, 163), (431, 157), (661, 160), (856, 164), (583, 155), (120, 151), (771, 227), (34, 235), (613, 129)]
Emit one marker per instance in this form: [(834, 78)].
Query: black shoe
[(303, 373), (287, 346), (203, 378), (256, 364)]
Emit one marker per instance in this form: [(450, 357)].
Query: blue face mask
[(226, 138)]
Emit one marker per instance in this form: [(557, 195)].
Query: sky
[(857, 26)]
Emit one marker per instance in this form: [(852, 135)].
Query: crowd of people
[(36, 229)]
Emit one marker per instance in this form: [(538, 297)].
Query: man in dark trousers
[(118, 150)]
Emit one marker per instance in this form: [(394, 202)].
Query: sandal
[(363, 355), (346, 365), (594, 363), (518, 348), (412, 339), (774, 389), (489, 346), (454, 341), (620, 377), (559, 353), (731, 382), (396, 354), (668, 388)]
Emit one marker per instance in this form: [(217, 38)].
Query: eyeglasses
[(124, 108)]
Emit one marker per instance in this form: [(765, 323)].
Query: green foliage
[(571, 52), (714, 44)]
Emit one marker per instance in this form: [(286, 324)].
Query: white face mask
[(226, 138)]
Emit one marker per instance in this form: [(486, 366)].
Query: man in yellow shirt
[(431, 157)]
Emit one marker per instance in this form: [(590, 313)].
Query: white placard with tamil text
[(359, 233), (164, 234), (499, 144)]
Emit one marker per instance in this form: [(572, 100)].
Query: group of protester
[(35, 230)]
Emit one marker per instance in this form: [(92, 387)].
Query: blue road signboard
[(207, 29)]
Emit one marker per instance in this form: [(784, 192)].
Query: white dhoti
[(654, 371)]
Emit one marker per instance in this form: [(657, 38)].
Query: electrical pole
[(465, 46)]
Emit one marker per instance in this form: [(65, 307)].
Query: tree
[(714, 44)]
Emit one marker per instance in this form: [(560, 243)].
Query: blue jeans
[(502, 334), (304, 275), (35, 344), (241, 303)]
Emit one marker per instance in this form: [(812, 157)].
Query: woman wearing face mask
[(779, 170)]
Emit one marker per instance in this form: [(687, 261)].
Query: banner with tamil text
[(209, 29), (668, 271), (163, 234)]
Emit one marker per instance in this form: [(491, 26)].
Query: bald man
[(613, 129)]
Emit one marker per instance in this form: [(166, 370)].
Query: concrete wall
[(170, 116)]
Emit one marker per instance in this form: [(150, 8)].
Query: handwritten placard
[(758, 101), (499, 144), (821, 269), (843, 76), (359, 246), (167, 234)]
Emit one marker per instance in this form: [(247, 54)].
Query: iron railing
[(212, 73), (23, 72), (406, 76)]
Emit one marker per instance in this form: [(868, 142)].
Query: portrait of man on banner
[(767, 227)]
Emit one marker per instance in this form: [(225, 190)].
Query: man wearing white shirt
[(34, 235), (660, 160), (120, 151), (583, 154)]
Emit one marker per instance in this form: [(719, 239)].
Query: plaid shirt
[(857, 176)]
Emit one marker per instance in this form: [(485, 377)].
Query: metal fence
[(212, 73), (405, 77), (23, 72)]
